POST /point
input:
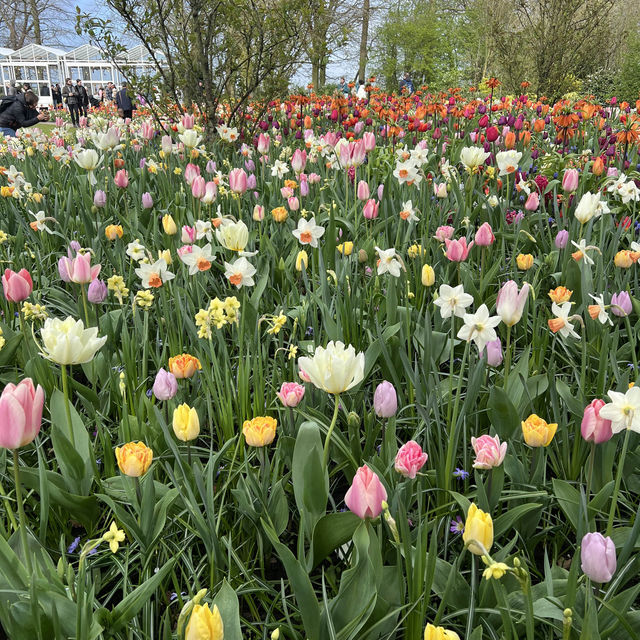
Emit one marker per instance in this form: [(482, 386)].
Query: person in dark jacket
[(71, 99), (83, 98), (124, 103), (11, 89), (21, 113), (406, 84), (56, 96)]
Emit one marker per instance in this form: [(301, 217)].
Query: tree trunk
[(35, 16), (364, 39)]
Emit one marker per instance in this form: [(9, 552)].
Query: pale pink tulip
[(490, 452), (366, 494), (17, 286), (410, 459), (593, 427), (20, 414), (457, 250), (290, 394)]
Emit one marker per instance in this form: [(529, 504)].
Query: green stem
[(65, 390), (616, 489), (7, 506), (632, 340), (472, 598), (21, 514), (526, 590), (592, 456), (450, 403), (507, 357), (84, 305), (327, 442)]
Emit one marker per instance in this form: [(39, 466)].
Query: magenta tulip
[(366, 494), (20, 414)]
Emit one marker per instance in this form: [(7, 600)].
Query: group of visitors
[(361, 91)]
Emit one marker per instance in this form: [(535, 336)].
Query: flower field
[(353, 370)]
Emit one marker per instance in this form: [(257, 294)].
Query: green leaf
[(503, 415), (227, 602), (568, 499), (503, 523), (331, 532)]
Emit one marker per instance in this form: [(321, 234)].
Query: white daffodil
[(452, 301), (407, 172), (136, 250), (388, 262), (479, 327), (154, 275), (597, 310), (507, 161), (308, 232), (623, 410), (240, 273), (582, 248), (279, 168), (198, 259), (562, 322), (204, 229), (40, 222), (408, 213)]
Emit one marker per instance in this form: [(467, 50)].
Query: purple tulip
[(165, 385), (385, 400), (97, 291), (598, 557), (100, 199), (380, 191), (561, 239), (621, 304), (494, 353), (147, 200)]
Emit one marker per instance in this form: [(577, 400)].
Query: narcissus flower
[(240, 273), (308, 232), (562, 322), (260, 431), (623, 410), (114, 537), (537, 432), (479, 327), (198, 259), (388, 262), (495, 570), (452, 301), (154, 275)]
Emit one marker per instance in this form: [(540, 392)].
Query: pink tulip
[(510, 303), (363, 190), (238, 181), (20, 414), (188, 234), (304, 186), (100, 199), (17, 286), (210, 192), (385, 400), (191, 172), (294, 203), (263, 143), (593, 427), (444, 233), (165, 386), (122, 179), (490, 452), (369, 140), (258, 213), (598, 557), (457, 250), (198, 187), (188, 121), (185, 248), (484, 235), (612, 172), (380, 191), (410, 459), (570, 180), (366, 494), (298, 161), (290, 394), (533, 201), (370, 210), (314, 178), (251, 182), (79, 269)]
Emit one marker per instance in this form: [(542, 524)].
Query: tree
[(208, 51), (25, 21)]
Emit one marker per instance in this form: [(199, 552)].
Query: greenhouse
[(42, 66)]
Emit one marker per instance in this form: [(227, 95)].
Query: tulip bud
[(593, 427), (478, 528), (494, 353), (428, 275), (20, 414), (353, 421), (598, 557), (290, 394), (385, 400), (258, 213), (362, 256), (598, 166), (363, 190), (484, 235), (366, 494), (97, 291), (621, 304), (570, 180), (533, 201)]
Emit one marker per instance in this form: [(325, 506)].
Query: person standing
[(21, 113), (11, 89), (108, 92), (83, 98), (56, 96), (124, 103), (406, 84), (362, 91), (343, 87), (70, 98)]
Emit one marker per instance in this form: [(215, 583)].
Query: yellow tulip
[(113, 231), (524, 261), (439, 633), (428, 275), (623, 259), (346, 248), (169, 225), (302, 260), (279, 214), (260, 431), (165, 254), (186, 424), (478, 529), (134, 458), (205, 624), (537, 432)]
